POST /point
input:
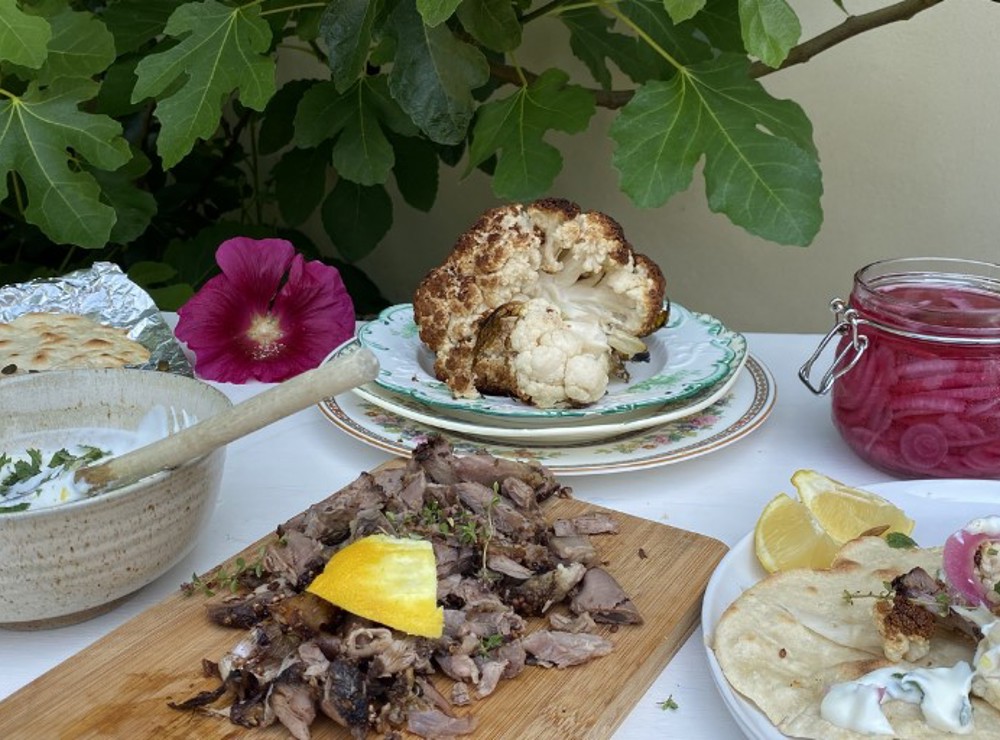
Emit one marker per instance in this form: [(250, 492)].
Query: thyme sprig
[(224, 578), (884, 595), (668, 704), (490, 643)]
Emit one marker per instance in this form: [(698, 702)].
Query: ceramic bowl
[(66, 563)]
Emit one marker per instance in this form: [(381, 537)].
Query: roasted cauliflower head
[(540, 301)]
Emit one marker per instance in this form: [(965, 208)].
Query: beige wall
[(907, 120)]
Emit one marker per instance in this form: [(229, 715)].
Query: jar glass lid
[(933, 295)]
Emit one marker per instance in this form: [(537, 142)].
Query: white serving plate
[(939, 507), (731, 418), (692, 353), (555, 431)]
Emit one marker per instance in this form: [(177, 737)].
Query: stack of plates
[(699, 390)]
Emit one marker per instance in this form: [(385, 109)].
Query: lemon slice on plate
[(846, 512), (787, 536), (389, 580)]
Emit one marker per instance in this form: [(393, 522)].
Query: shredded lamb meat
[(302, 657), (920, 604)]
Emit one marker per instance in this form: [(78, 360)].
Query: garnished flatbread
[(790, 636), (59, 341)]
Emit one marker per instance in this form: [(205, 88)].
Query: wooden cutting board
[(119, 686)]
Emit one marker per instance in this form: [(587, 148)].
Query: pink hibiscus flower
[(269, 315)]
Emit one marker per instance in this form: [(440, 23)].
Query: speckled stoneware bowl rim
[(131, 488), (89, 502)]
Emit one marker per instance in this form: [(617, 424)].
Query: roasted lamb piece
[(920, 604)]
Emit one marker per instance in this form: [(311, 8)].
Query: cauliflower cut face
[(530, 351), (578, 262)]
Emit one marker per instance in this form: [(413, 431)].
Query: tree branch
[(854, 25), (542, 10)]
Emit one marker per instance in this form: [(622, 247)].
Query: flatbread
[(57, 341), (793, 634)]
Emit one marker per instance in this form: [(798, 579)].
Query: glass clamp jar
[(916, 372)]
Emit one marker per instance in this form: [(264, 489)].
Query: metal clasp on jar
[(847, 322)]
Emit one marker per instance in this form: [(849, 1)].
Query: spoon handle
[(284, 399)]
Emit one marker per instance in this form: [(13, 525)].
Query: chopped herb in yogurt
[(28, 480), (42, 475)]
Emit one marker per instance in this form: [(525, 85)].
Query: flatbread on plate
[(793, 634), (56, 341)]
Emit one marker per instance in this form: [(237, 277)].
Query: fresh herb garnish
[(667, 703), (944, 602), (23, 469), (887, 593), (490, 643), (487, 535), (226, 579), (64, 458), (14, 507), (197, 584), (900, 541)]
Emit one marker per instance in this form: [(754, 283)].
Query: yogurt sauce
[(983, 525), (55, 485), (942, 693)]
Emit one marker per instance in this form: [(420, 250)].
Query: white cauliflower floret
[(542, 358), (600, 298)]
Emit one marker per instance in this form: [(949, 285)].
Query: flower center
[(266, 336)]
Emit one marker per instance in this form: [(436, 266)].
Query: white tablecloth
[(281, 469)]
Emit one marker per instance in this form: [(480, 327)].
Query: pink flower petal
[(255, 267), (267, 282)]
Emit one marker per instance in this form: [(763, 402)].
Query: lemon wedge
[(787, 536), (389, 580), (845, 512)]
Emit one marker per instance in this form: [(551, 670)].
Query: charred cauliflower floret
[(527, 349), (540, 301)]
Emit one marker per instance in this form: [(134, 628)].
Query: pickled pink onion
[(960, 564), (934, 367), (923, 446), (983, 459), (927, 403)]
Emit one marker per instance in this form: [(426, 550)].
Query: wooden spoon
[(284, 399)]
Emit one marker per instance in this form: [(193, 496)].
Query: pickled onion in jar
[(924, 397)]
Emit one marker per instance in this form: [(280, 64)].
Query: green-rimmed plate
[(530, 431), (690, 354), (731, 418)]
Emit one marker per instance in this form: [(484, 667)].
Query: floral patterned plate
[(729, 419), (533, 431), (691, 353)]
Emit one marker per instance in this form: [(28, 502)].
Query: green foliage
[(770, 29), (43, 131), (218, 50), (760, 163), (23, 39), (514, 128), (145, 131)]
